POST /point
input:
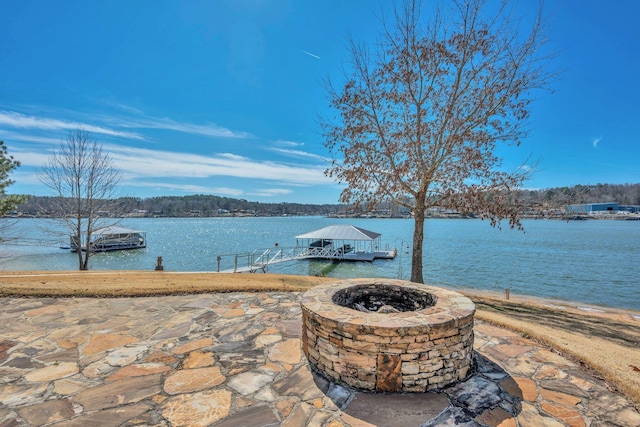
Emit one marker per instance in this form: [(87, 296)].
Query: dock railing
[(326, 252), (260, 259), (255, 261)]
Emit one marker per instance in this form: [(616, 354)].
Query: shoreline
[(40, 289), (552, 303), (603, 340)]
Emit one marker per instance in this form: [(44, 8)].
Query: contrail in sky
[(309, 53)]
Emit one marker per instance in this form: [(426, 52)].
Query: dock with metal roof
[(333, 243)]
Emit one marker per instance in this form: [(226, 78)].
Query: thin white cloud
[(271, 192), (227, 191), (301, 154), (223, 191), (231, 156), (189, 188), (23, 121), (168, 164), (15, 136), (596, 142), (287, 148), (283, 143), (143, 167), (112, 125), (24, 178), (310, 54), (140, 164), (209, 129), (129, 109), (30, 158)]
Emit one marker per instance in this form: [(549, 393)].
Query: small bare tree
[(84, 181), (420, 116)]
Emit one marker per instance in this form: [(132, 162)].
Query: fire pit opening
[(383, 298), (388, 335)]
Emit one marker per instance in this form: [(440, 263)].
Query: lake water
[(593, 262)]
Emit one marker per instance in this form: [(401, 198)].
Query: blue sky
[(222, 97)]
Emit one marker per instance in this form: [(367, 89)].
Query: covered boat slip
[(342, 243), (113, 238), (334, 243)]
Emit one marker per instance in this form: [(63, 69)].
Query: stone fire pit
[(388, 335)]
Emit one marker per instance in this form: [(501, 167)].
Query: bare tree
[(419, 117), (84, 181)]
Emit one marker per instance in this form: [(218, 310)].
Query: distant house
[(630, 208), (593, 207), (602, 207)]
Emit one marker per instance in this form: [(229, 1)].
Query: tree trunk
[(79, 243), (77, 227), (418, 238), (84, 265)]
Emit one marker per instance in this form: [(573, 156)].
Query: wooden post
[(159, 266), (219, 258), (507, 293)]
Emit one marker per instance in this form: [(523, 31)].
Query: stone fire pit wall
[(411, 351)]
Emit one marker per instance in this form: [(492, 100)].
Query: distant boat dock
[(111, 238), (334, 243)]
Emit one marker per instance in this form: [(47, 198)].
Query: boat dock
[(111, 238), (334, 243)]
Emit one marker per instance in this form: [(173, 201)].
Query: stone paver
[(235, 359)]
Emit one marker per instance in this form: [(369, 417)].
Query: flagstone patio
[(235, 360)]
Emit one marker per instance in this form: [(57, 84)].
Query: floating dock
[(112, 239)]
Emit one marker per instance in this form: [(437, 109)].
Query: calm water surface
[(584, 261)]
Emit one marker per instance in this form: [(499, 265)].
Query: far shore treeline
[(547, 202)]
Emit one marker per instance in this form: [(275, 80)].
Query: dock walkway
[(254, 262), (259, 261)]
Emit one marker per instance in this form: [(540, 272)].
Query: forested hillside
[(191, 206), (208, 205), (625, 194)]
